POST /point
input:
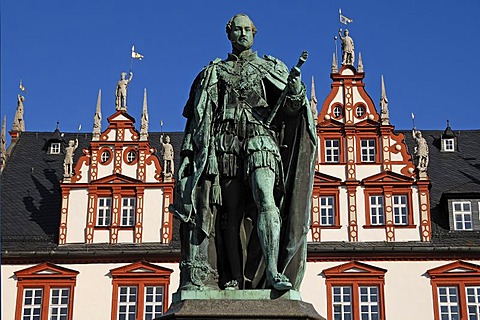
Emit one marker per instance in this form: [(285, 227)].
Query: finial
[(360, 63), (313, 101), (144, 120), (57, 127), (448, 123), (97, 118), (384, 115), (334, 63)]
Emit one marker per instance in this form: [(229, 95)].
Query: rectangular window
[(327, 211), (369, 307), (462, 214), (104, 212), (54, 148), (59, 298), (128, 212), (448, 303), (400, 210), (473, 302), (153, 302), (448, 144), (342, 303), (332, 150), (368, 150), (127, 303), (377, 215), (32, 304)]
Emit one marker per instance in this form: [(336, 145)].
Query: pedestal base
[(239, 304)]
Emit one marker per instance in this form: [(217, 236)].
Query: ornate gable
[(141, 269), (455, 269), (387, 177), (45, 269), (354, 269)]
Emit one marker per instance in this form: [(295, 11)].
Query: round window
[(105, 156), (131, 155), (360, 111), (337, 112)]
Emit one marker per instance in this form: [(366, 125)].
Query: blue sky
[(65, 51)]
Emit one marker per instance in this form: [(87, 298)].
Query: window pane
[(341, 302), (462, 215), (32, 303), (153, 302), (59, 303), (448, 302), (127, 302)]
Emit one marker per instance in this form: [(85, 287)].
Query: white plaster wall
[(334, 234), (77, 216), (93, 291), (397, 168), (366, 170), (85, 173), (129, 170), (105, 171), (337, 171), (396, 156), (152, 214), (101, 236), (111, 136), (150, 171), (128, 136), (125, 236)]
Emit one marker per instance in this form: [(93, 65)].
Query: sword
[(301, 60)]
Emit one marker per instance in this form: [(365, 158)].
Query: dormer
[(54, 144), (448, 140)]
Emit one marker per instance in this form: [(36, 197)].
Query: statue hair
[(230, 22)]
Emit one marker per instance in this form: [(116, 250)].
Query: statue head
[(418, 134), (346, 32), (167, 139), (123, 75), (71, 143), (241, 31)]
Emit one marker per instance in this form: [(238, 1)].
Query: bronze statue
[(247, 154)]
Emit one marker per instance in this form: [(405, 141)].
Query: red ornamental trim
[(91, 215), (85, 159), (158, 169), (139, 218), (167, 231)]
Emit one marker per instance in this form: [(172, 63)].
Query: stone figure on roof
[(18, 123), (121, 92), (68, 161), (168, 158), (421, 152), (348, 57), (241, 163)]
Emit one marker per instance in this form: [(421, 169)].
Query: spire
[(3, 144), (334, 64), (97, 118), (360, 63), (313, 101), (144, 120), (384, 116)]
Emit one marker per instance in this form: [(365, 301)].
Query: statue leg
[(233, 213), (268, 225)]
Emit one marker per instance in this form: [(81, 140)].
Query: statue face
[(241, 35), (167, 139)]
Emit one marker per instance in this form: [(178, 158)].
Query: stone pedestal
[(239, 304)]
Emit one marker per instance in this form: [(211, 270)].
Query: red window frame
[(139, 274), (364, 275), (457, 274), (395, 191), (45, 276)]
